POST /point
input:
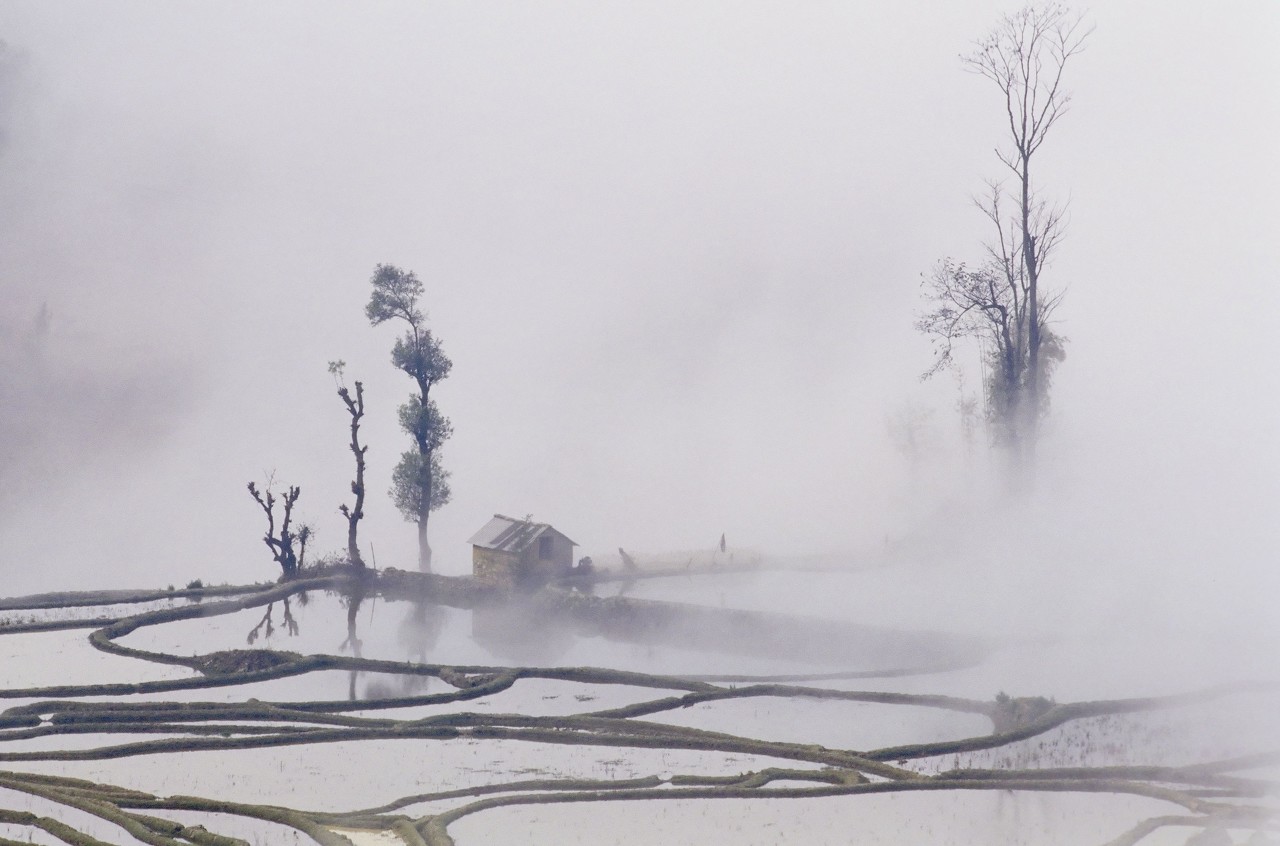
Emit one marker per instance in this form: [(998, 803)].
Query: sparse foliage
[(990, 303), (407, 488), (355, 408), (1001, 301), (289, 545), (420, 484)]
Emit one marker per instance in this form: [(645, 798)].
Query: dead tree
[(281, 544), (355, 407), (1025, 56), (1003, 301)]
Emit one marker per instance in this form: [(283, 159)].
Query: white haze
[(673, 250)]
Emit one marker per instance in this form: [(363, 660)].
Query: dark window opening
[(544, 547)]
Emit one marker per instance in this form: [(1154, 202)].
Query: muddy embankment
[(555, 612), (764, 634)]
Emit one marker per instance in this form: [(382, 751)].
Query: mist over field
[(674, 253)]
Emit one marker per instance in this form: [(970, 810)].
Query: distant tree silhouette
[(419, 483), (1001, 301), (289, 556), (355, 408)]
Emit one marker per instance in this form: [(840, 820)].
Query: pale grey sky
[(673, 250)]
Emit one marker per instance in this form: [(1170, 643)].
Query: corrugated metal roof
[(507, 534)]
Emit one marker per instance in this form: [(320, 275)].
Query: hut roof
[(507, 534)]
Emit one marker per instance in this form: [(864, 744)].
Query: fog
[(674, 252)]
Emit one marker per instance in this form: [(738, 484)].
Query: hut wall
[(552, 562), (494, 567)]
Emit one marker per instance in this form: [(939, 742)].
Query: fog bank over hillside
[(674, 254)]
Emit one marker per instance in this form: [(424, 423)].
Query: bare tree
[(1002, 301), (281, 544), (420, 484), (992, 303), (355, 408)]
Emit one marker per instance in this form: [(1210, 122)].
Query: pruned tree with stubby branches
[(289, 545), (355, 408), (1001, 300), (420, 484)]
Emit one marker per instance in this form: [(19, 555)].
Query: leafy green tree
[(419, 483), (406, 491)]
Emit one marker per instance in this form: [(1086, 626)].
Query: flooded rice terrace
[(730, 728)]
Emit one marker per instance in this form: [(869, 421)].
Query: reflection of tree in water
[(419, 632), (1219, 801), (417, 636), (521, 631), (352, 599), (266, 626)]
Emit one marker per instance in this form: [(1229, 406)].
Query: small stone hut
[(520, 553)]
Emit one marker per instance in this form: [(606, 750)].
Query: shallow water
[(351, 775)]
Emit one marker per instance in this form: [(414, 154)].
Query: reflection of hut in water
[(522, 631), (520, 553), (524, 555)]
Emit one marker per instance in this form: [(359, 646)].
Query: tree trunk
[(426, 484), (354, 514), (353, 548), (1031, 402), (424, 548)]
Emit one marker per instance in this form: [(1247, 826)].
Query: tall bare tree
[(420, 484), (355, 408), (1002, 301)]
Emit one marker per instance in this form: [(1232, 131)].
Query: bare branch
[(281, 544), (355, 408), (1025, 57)]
